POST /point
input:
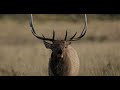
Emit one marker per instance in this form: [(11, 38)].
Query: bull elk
[(64, 59)]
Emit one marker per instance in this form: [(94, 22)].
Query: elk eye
[(60, 52), (66, 46)]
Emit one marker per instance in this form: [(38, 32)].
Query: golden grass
[(21, 54)]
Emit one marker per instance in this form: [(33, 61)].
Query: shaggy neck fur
[(59, 66)]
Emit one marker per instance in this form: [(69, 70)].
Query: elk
[(64, 60)]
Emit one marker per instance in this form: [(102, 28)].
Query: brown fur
[(66, 65)]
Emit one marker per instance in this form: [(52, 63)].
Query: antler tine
[(73, 36), (33, 30), (66, 35), (83, 32), (85, 28), (31, 24), (53, 35), (43, 36)]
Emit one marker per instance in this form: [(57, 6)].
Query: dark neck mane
[(58, 66)]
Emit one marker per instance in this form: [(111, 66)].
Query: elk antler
[(82, 34), (53, 39), (34, 33)]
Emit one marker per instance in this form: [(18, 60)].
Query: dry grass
[(21, 54)]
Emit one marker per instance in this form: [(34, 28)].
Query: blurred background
[(21, 54)]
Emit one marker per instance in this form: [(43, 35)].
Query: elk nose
[(60, 51)]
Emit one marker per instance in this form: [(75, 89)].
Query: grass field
[(21, 54)]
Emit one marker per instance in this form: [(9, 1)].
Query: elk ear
[(68, 43), (47, 45)]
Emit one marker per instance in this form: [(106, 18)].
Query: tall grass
[(21, 54), (60, 17)]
